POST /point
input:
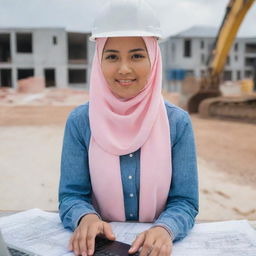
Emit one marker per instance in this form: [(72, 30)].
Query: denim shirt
[(75, 186)]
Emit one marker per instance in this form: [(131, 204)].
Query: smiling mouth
[(125, 82)]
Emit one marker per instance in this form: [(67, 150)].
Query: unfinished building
[(186, 54), (77, 58), (62, 58)]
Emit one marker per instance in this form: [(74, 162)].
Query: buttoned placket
[(129, 184), (130, 178)]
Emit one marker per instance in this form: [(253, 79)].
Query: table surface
[(6, 213)]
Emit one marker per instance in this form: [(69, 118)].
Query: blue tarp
[(176, 74)]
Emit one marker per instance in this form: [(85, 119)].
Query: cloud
[(180, 15), (77, 15)]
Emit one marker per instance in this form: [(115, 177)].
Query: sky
[(77, 15)]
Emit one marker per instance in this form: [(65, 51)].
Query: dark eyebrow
[(136, 50), (133, 50), (111, 51)]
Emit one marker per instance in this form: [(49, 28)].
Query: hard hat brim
[(125, 34)]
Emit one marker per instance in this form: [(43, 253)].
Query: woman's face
[(125, 65)]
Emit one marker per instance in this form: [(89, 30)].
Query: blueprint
[(37, 231), (42, 233), (228, 238)]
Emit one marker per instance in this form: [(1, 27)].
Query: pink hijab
[(120, 127)]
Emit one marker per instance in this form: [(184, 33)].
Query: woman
[(127, 154)]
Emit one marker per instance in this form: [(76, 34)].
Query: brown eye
[(111, 57), (137, 56)]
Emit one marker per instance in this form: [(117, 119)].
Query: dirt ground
[(31, 132), (227, 168), (228, 147)]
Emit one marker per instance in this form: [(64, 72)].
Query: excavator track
[(241, 108)]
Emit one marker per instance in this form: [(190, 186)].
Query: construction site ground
[(31, 133)]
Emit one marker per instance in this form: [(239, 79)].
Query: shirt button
[(130, 177), (131, 195), (131, 215), (131, 155)]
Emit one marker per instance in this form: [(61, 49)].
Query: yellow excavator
[(208, 100)]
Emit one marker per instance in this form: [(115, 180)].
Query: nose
[(124, 68)]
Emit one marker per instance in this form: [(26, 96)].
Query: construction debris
[(47, 96), (31, 85)]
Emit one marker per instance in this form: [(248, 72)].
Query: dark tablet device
[(104, 246)]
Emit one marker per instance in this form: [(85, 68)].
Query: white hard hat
[(120, 18)]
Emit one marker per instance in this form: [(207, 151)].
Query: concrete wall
[(45, 55), (177, 60), (49, 55), (173, 57)]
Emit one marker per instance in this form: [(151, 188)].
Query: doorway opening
[(6, 78), (49, 76), (5, 48)]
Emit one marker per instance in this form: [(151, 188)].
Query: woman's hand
[(154, 242), (83, 240)]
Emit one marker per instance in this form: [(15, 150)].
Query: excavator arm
[(209, 86)]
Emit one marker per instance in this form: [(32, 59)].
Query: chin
[(122, 96)]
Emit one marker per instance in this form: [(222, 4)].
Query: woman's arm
[(75, 185), (182, 204)]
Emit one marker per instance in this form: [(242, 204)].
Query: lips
[(125, 82)]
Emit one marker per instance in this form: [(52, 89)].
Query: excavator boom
[(210, 83)]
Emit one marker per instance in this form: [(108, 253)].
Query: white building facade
[(187, 53), (62, 58)]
